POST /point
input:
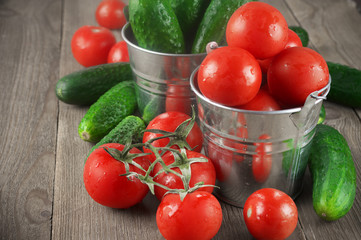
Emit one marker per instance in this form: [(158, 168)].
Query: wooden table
[(41, 162)]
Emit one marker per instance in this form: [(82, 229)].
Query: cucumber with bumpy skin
[(85, 86), (130, 129), (333, 174), (155, 26), (189, 14), (111, 108)]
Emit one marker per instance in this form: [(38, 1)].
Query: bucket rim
[(127, 30), (320, 94)]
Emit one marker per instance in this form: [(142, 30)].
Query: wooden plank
[(29, 50), (76, 215)]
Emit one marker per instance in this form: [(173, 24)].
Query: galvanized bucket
[(257, 149), (162, 79)]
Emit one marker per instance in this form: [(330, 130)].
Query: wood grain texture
[(347, 227), (29, 65), (335, 33), (42, 157)]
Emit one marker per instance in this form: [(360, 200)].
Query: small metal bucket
[(257, 149), (162, 79)]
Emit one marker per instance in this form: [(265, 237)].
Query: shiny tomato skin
[(295, 73), (270, 214), (263, 101), (118, 53), (230, 76), (200, 172), (109, 14), (90, 45), (293, 41), (169, 121), (197, 217), (104, 184), (258, 28)]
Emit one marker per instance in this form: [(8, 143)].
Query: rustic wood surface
[(41, 156)]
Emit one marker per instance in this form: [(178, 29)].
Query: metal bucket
[(257, 149), (162, 79)]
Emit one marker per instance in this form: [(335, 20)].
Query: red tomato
[(229, 76), (293, 41), (200, 172), (258, 28), (109, 14), (197, 217), (104, 184), (263, 101), (169, 121), (270, 214), (262, 160), (118, 53), (90, 45), (295, 73)]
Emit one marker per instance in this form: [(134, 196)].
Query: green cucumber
[(130, 129), (155, 26), (302, 33), (214, 23), (345, 85), (333, 173), (111, 108), (84, 87), (152, 109), (189, 14)]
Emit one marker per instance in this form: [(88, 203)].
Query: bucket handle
[(304, 119)]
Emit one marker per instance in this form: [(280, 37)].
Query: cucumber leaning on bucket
[(189, 14), (155, 26)]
